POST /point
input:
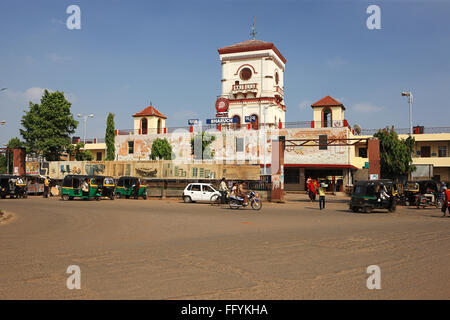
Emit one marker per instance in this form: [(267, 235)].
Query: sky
[(128, 53)]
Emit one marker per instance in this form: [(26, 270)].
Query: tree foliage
[(79, 153), (110, 137), (161, 149), (395, 153), (204, 139), (48, 126)]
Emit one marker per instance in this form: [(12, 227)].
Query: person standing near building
[(46, 187), (223, 189), (322, 196), (311, 189), (446, 204)]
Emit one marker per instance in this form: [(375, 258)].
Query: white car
[(200, 192)]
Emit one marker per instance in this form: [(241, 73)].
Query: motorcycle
[(253, 200)]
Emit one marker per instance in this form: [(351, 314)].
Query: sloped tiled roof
[(328, 101), (150, 111), (251, 45)]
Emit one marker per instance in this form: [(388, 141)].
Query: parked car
[(200, 192)]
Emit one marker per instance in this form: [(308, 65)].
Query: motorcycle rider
[(242, 193)]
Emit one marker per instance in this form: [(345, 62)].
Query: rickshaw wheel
[(144, 197), (118, 195), (65, 197), (354, 209)]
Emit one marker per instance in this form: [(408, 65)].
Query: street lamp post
[(85, 119), (410, 100)]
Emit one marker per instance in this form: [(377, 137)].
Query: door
[(207, 193), (195, 193)]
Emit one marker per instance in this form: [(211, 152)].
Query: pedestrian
[(311, 190), (46, 187), (223, 189), (137, 186), (85, 188), (446, 204), (322, 196)]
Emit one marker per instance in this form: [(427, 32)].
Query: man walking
[(46, 187), (446, 204), (322, 196)]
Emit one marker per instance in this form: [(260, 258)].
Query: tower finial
[(253, 33)]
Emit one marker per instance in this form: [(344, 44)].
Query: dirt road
[(154, 249)]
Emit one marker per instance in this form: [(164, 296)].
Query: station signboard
[(221, 121)]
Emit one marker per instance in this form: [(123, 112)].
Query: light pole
[(85, 119), (410, 100)]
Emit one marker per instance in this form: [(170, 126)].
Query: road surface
[(157, 249)]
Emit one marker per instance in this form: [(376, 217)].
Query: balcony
[(244, 89), (279, 92)]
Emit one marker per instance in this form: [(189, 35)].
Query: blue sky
[(129, 53)]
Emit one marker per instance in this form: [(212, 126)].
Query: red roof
[(251, 45), (328, 101), (150, 111)]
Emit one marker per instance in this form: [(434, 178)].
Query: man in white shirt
[(223, 188)]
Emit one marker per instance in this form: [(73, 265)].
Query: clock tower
[(253, 83)]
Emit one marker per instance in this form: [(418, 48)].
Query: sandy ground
[(155, 249)]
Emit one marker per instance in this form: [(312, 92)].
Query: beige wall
[(152, 124)]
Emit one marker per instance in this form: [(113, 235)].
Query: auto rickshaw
[(428, 194), (126, 188), (107, 186), (71, 188), (373, 194), (13, 186), (410, 193)]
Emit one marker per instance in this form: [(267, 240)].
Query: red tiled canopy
[(150, 111), (251, 45), (328, 101)]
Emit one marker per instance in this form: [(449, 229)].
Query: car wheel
[(215, 199), (187, 199)]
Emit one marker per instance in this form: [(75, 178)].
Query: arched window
[(237, 122), (327, 118), (144, 126), (159, 126), (255, 125)]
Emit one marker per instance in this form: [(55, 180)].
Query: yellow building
[(431, 156), (149, 120)]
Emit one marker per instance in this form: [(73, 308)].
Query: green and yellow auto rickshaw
[(13, 186), (131, 187), (107, 186), (73, 188), (373, 194)]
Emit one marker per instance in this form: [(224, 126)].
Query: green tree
[(204, 139), (395, 153), (48, 126), (161, 149), (79, 153), (110, 137)]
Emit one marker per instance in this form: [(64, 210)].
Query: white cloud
[(366, 107), (34, 94), (305, 104), (55, 57)]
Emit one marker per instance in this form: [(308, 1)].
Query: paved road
[(158, 249)]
